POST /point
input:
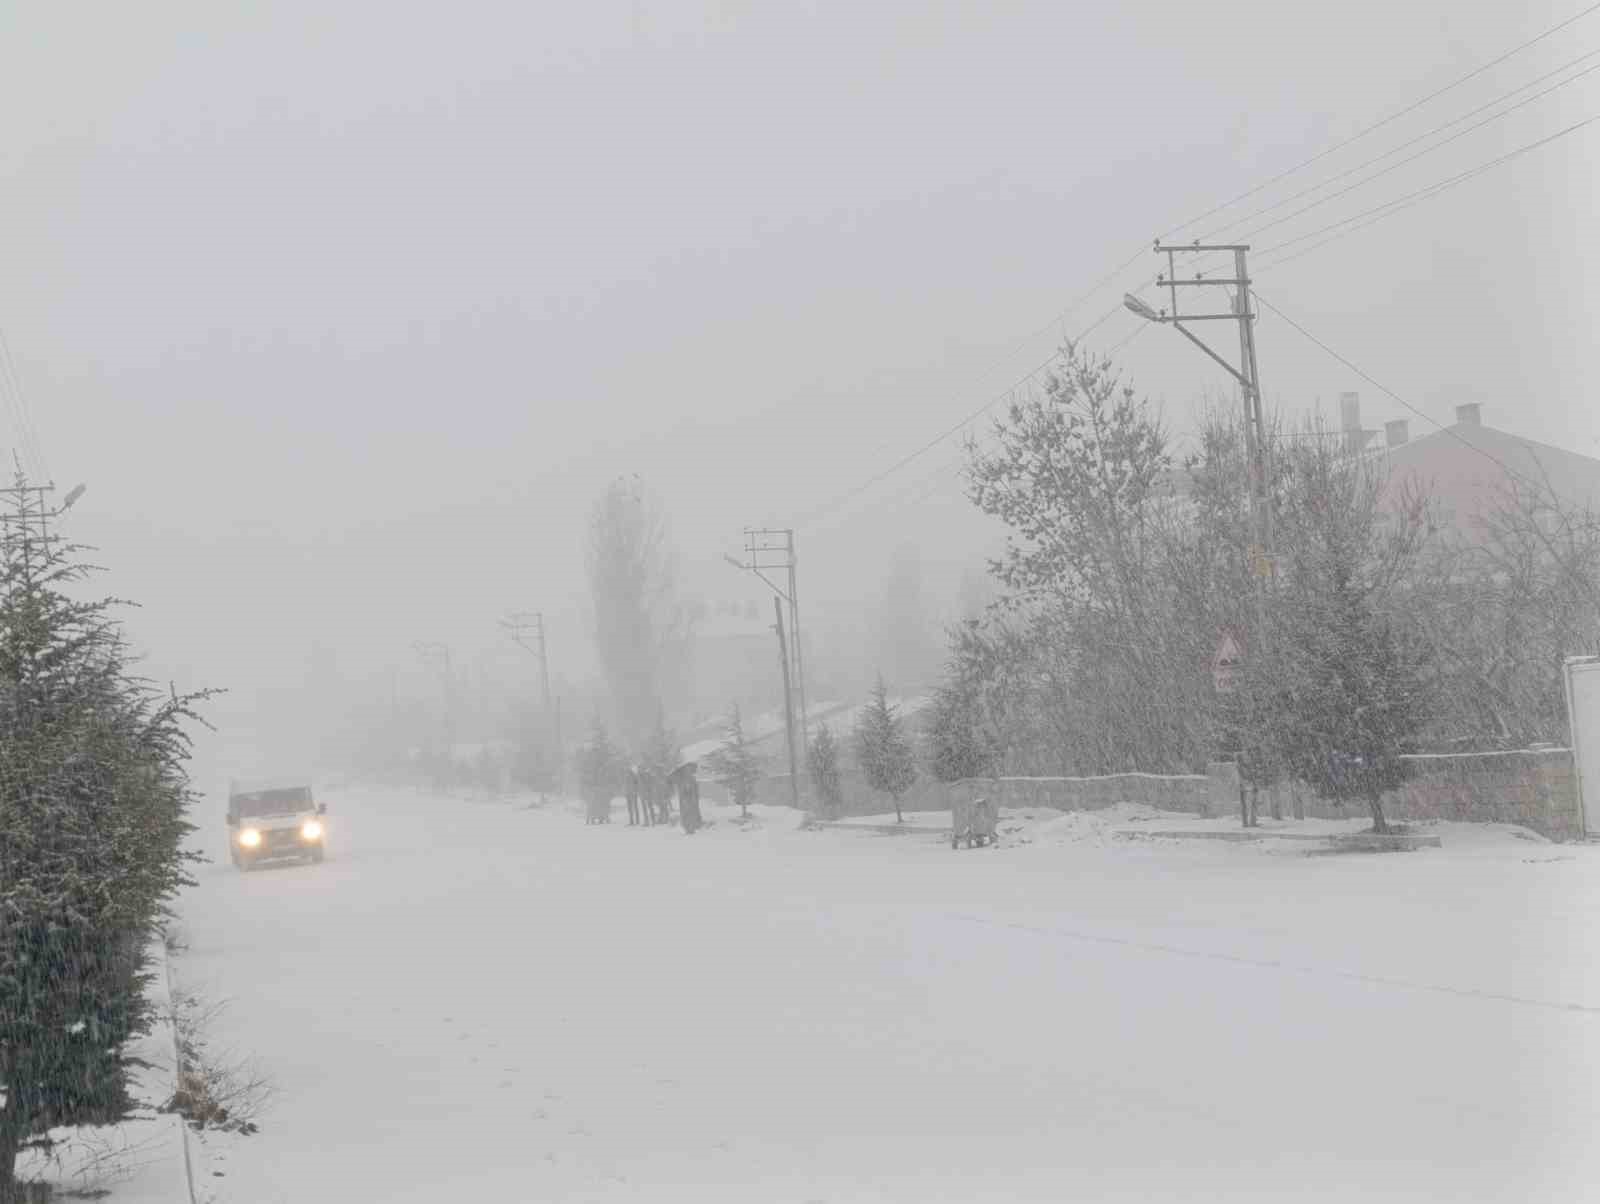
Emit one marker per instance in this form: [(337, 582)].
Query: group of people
[(650, 796)]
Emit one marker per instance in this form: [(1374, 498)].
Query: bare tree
[(641, 631), (1504, 603)]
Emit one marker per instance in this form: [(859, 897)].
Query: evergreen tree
[(736, 765), (882, 749), (823, 761), (957, 746), (1347, 697), (93, 799), (1356, 702)]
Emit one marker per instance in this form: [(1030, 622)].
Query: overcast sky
[(345, 312)]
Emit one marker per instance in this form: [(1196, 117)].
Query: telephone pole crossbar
[(772, 550), (526, 630), (1248, 374)]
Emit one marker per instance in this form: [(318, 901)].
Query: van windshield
[(273, 802)]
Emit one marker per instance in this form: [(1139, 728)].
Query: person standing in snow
[(631, 790), (688, 798)]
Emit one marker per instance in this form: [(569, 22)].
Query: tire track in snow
[(1264, 963)]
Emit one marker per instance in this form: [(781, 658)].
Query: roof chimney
[(1469, 414), (1350, 422), (1350, 411), (1396, 432)]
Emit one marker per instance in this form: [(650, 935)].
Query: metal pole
[(561, 754), (788, 704), (794, 634), (1256, 411)]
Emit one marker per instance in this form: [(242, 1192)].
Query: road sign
[(1225, 663)]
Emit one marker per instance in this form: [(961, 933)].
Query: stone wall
[(1536, 789), (1183, 793)]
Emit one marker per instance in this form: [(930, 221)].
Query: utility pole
[(1248, 375), (772, 550), (527, 631), (788, 704), (28, 520)]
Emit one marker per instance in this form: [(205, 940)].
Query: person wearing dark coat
[(631, 788), (688, 798)]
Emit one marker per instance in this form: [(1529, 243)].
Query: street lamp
[(1139, 306)]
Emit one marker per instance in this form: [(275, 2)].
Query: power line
[(1431, 190), (1510, 472), (1384, 210), (1393, 117), (17, 405), (1409, 158), (1383, 388), (851, 494)]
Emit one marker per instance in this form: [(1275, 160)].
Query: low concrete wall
[(1536, 789), (1189, 792)]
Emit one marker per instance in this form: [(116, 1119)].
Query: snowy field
[(473, 1001)]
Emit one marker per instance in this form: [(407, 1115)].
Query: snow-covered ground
[(475, 1001)]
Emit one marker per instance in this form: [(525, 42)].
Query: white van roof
[(257, 785)]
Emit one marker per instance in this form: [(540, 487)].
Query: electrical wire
[(1402, 163), (1380, 212), (29, 455), (1387, 391), (1389, 120), (851, 494), (1510, 472), (1431, 190)]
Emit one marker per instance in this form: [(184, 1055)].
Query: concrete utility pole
[(788, 704), (527, 631), (30, 514), (770, 550), (1248, 374)]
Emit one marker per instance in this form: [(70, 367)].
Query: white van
[(274, 821)]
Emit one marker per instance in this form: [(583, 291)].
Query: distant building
[(1467, 467)]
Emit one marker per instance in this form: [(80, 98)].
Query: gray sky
[(345, 312)]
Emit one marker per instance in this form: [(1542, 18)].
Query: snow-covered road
[(470, 1001)]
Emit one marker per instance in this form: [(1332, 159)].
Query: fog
[(1170, 777), (345, 314)]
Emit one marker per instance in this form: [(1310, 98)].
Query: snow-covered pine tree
[(823, 761), (957, 747), (882, 749), (1348, 691), (736, 765), (1356, 703), (93, 798)]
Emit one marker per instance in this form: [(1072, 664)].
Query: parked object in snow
[(973, 821), (274, 821)]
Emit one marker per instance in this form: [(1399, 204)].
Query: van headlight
[(311, 830), (250, 837)]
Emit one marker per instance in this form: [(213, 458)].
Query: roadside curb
[(885, 829), (177, 1063), (1374, 842)]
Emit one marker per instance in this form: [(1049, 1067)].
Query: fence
[(1533, 788)]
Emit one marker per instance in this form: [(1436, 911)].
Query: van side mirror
[(322, 808)]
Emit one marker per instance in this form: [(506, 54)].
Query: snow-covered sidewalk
[(144, 1160)]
